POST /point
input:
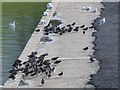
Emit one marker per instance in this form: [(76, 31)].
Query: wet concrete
[(106, 45)]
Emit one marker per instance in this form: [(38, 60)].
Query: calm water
[(26, 16)]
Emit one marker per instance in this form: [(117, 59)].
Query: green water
[(26, 15)]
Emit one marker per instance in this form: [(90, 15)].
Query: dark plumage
[(13, 72), (37, 30), (83, 32), (55, 31), (46, 30), (18, 61), (33, 74), (85, 28), (12, 77), (60, 33), (32, 54), (91, 59), (86, 48), (69, 30), (63, 31), (46, 33), (52, 69), (82, 26), (91, 27), (54, 58), (49, 75), (73, 23), (63, 28), (68, 25), (47, 25), (42, 69), (43, 55), (46, 63), (31, 71), (25, 62), (14, 65), (42, 81), (76, 29), (56, 62), (60, 74)]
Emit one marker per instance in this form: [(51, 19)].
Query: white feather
[(86, 8), (49, 6), (93, 10), (102, 21), (45, 14), (12, 24), (42, 22)]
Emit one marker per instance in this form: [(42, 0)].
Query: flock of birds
[(39, 65), (49, 29), (35, 66)]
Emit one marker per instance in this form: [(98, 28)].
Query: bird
[(60, 33), (91, 27), (47, 25), (91, 59), (86, 48), (56, 62), (12, 25), (86, 8), (75, 29), (102, 21), (24, 62), (60, 74), (73, 23), (46, 33), (49, 75), (49, 6), (69, 30), (45, 54), (82, 26), (85, 28), (33, 74), (18, 60), (94, 10), (54, 58), (68, 25), (42, 22), (53, 69), (45, 14), (83, 8), (42, 81), (12, 77), (37, 30), (83, 32)]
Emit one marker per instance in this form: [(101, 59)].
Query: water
[(26, 15), (107, 48)]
